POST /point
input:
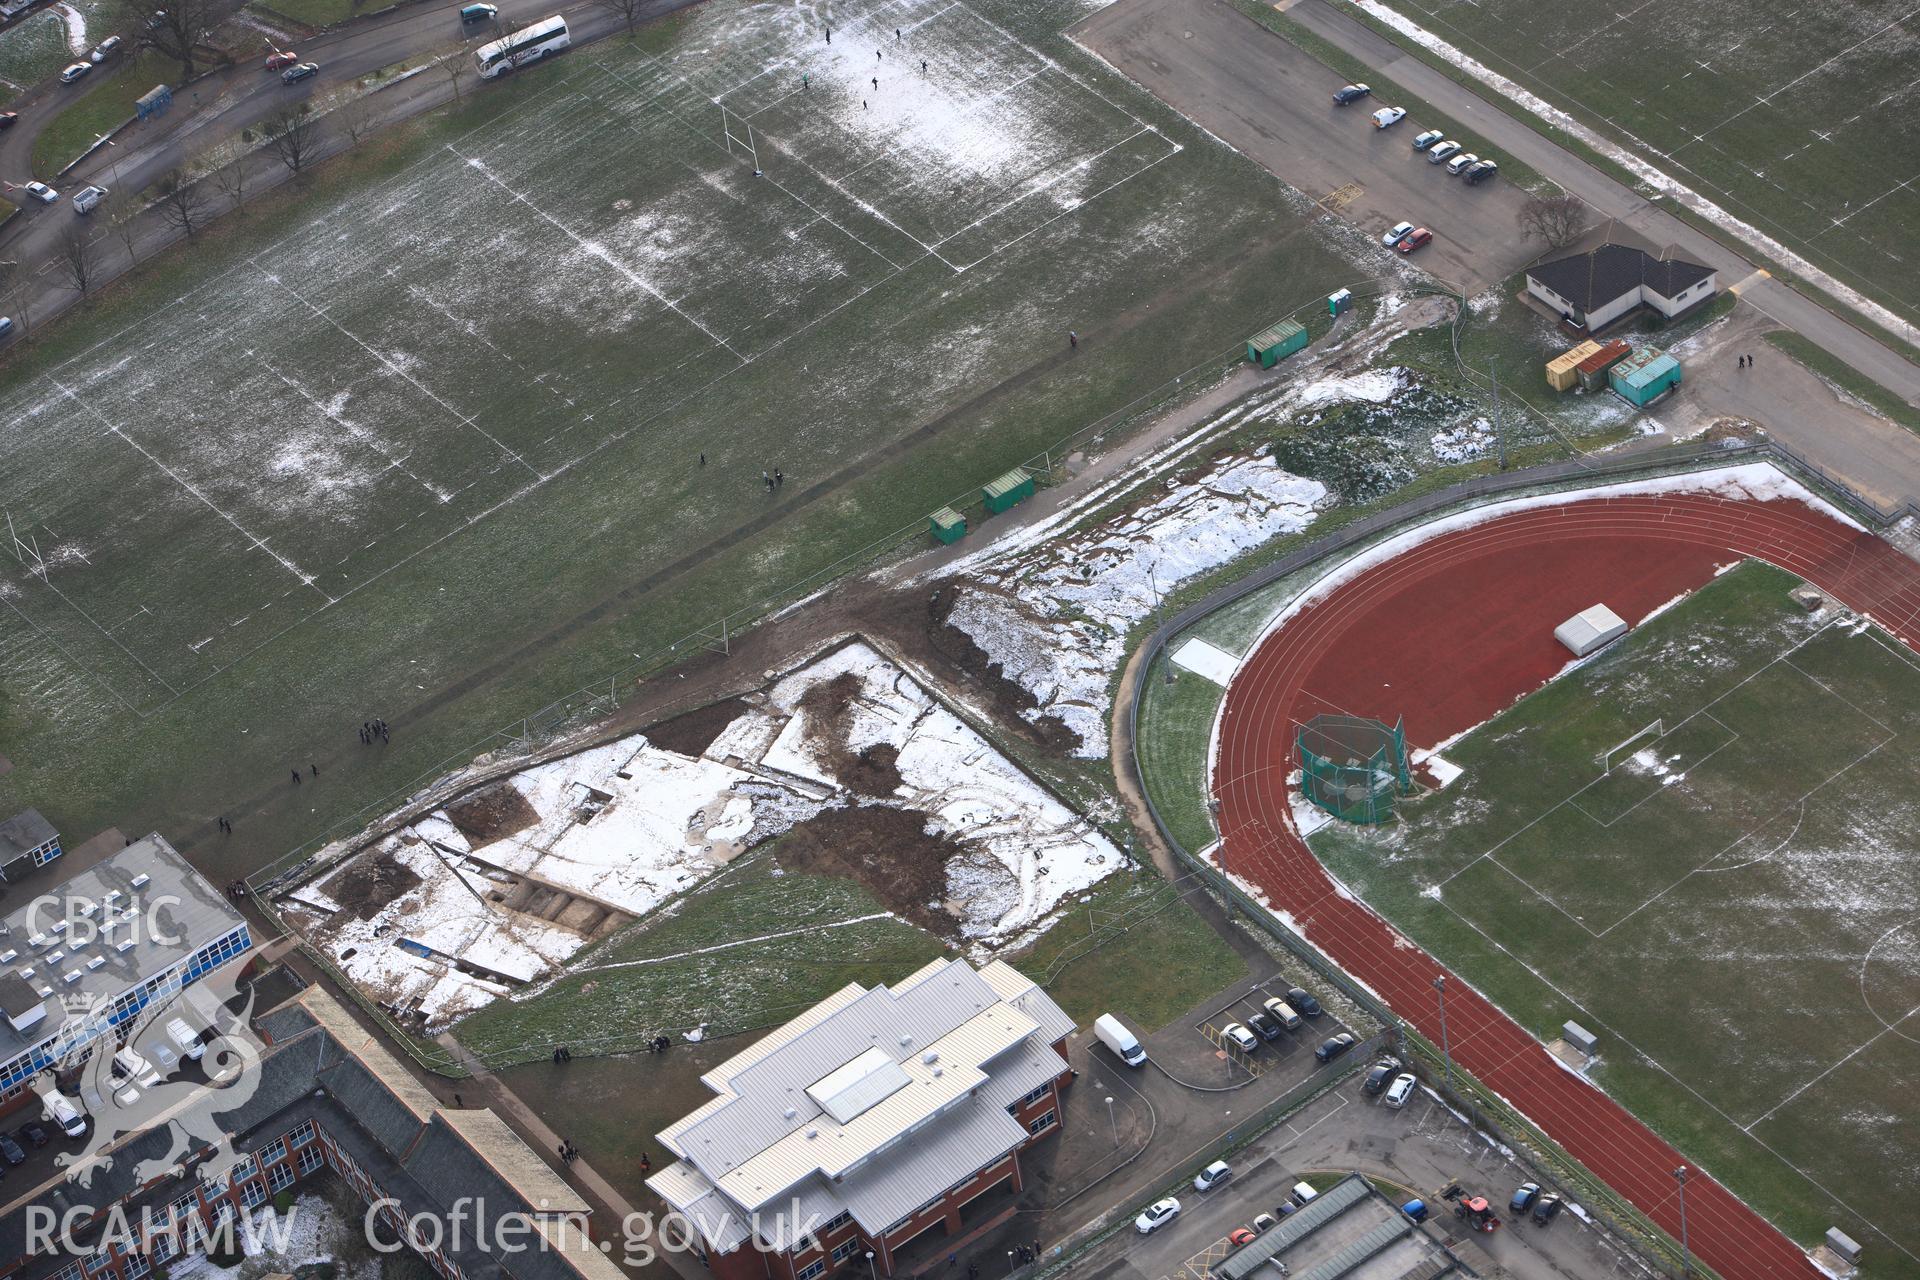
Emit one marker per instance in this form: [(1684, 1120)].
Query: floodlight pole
[(1686, 1258), (1113, 1120), (1446, 1050)]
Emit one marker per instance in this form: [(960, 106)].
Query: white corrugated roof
[(944, 1051)]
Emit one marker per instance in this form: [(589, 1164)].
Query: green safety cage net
[(1352, 767)]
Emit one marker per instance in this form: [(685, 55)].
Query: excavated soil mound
[(1012, 700), (368, 884), (486, 816), (828, 706), (886, 850), (691, 734)]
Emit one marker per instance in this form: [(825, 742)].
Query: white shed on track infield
[(1589, 629)]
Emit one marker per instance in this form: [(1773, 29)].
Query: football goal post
[(1652, 733)]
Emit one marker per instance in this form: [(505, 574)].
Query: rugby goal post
[(738, 132), (1654, 732)]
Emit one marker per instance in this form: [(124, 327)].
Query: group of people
[(1746, 362), (659, 1044), (773, 480), (371, 729), (236, 888), (562, 1054), (568, 1152)]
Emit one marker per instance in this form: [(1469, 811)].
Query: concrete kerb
[(104, 140)]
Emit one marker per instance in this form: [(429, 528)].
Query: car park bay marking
[(1200, 1265)]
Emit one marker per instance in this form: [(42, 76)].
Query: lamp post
[(1112, 1120), (1446, 1050), (870, 1273), (1686, 1258), (1010, 1257)]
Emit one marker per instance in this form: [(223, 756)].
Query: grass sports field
[(431, 451), (1789, 116), (1731, 907)]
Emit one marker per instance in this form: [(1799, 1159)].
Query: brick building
[(329, 1101), (867, 1121)]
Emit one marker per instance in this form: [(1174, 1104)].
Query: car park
[(75, 71), (473, 13), (1479, 173), (1442, 151), (280, 59), (1281, 1012), (1350, 93), (299, 71), (87, 199), (1240, 1235), (1334, 1046), (1266, 1026), (1400, 1091), (1239, 1037), (1459, 164), (1306, 1004), (105, 49), (1378, 1077), (1388, 116), (1524, 1197), (42, 192), (1546, 1209), (1212, 1176), (1420, 238), (1421, 141), (1395, 234), (34, 1134), (1157, 1215)]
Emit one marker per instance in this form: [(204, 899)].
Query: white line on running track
[(184, 483)]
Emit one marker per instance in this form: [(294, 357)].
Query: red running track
[(1449, 633)]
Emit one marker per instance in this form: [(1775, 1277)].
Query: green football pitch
[(1704, 846), (488, 415)]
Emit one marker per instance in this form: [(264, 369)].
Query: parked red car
[(1421, 236), (281, 58)]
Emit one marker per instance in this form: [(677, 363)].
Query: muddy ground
[(497, 812), (693, 732), (366, 885), (886, 850)]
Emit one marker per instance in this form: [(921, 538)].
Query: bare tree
[(1558, 220), (627, 11), (177, 30), (75, 259), (455, 65), (356, 119), (294, 136), (126, 225), (181, 201), (231, 178)]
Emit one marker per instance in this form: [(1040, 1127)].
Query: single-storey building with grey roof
[(27, 842), (1592, 290), (867, 1121)]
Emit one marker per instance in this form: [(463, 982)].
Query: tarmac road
[(1267, 98), (1274, 104)]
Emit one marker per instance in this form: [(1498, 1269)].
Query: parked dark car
[(1266, 1026), (1351, 93), (1377, 1078), (1523, 1198), (1479, 173), (1334, 1047), (34, 1134), (1546, 1209), (11, 1151), (1303, 1004)]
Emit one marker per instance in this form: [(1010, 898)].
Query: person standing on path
[(296, 777), (829, 35), (1073, 340)]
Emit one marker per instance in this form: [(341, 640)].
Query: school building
[(869, 1120)]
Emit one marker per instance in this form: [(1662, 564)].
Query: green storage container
[(947, 525), (1010, 489), (1270, 346)]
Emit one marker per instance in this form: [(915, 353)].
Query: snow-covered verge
[(1056, 618), (502, 887), (1657, 179)]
